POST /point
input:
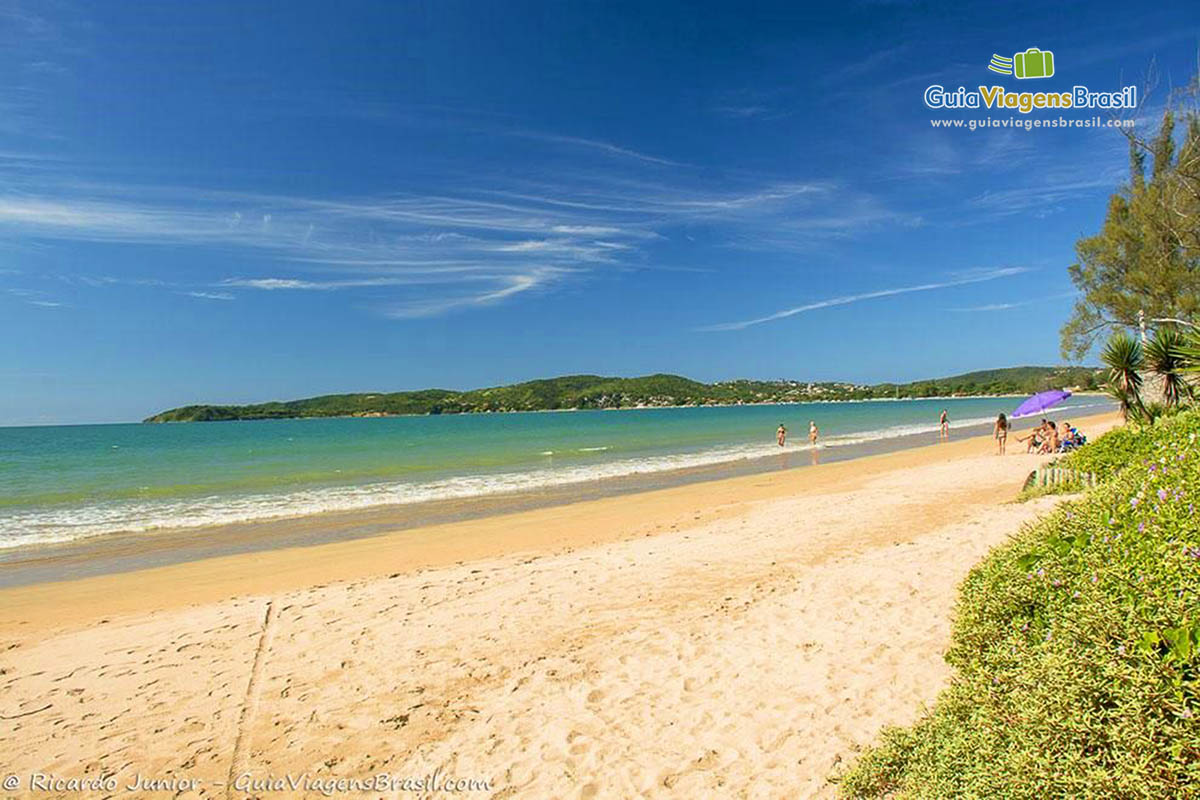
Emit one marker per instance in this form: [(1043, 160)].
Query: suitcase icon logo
[(1033, 63)]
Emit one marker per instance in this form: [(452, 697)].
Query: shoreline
[(253, 565), (123, 551)]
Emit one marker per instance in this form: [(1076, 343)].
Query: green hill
[(595, 391), (1009, 380)]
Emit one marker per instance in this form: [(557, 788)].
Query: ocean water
[(63, 483)]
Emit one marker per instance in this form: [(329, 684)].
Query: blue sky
[(231, 202)]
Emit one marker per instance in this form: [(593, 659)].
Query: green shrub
[(1106, 456), (1076, 648), (1120, 447), (1065, 486)]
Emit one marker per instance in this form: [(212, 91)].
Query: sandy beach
[(738, 638)]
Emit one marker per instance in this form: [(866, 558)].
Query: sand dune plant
[(1125, 360), (1191, 353), (1076, 649), (1166, 356)]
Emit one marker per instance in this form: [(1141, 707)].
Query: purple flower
[(1162, 494), (1134, 502), (1141, 527)]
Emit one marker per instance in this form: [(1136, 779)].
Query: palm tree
[(1191, 352), (1167, 358), (1123, 357)]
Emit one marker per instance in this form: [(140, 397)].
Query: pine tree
[(1146, 257)]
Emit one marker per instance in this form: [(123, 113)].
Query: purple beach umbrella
[(1040, 402)]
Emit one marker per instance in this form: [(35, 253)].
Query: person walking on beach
[(812, 432), (1001, 432), (945, 424), (781, 435)]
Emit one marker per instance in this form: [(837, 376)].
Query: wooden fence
[(1053, 476)]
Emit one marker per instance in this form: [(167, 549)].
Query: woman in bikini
[(1001, 432)]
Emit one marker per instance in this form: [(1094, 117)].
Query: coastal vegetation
[(597, 392), (1151, 380), (1141, 272), (1143, 266), (1076, 646)]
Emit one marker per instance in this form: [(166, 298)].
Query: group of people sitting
[(1050, 438)]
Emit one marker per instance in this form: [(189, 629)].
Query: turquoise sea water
[(69, 482)]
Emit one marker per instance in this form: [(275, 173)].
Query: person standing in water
[(1001, 433), (945, 424), (781, 435), (812, 432)]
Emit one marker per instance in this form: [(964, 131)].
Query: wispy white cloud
[(875, 62), (758, 103), (371, 244), (744, 112), (975, 277), (211, 295), (494, 234), (36, 45), (586, 230), (992, 307), (511, 286), (305, 285), (1038, 198), (595, 145), (1016, 303), (644, 205), (273, 284), (33, 297)]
